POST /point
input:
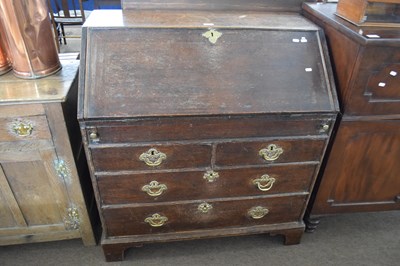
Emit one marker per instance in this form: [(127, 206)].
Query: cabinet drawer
[(161, 218), (184, 128), (151, 157), (24, 128), (269, 151), (194, 185)]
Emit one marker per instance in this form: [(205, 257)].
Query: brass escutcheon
[(271, 153), (152, 157), (204, 207), (156, 220), (154, 188), (22, 128), (211, 176), (257, 212), (264, 183), (212, 35)]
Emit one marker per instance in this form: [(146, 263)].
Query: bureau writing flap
[(158, 65)]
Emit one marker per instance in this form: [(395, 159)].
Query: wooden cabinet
[(40, 190), (361, 171), (195, 132), (370, 12)]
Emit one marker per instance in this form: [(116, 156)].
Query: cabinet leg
[(293, 236), (114, 252), (311, 224)]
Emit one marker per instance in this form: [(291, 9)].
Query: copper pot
[(30, 36), (5, 62)]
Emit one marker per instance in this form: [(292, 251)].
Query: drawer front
[(163, 129), (160, 218), (195, 185), (24, 128), (269, 151), (151, 157)]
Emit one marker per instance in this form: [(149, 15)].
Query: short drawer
[(195, 185), (120, 158), (24, 128), (269, 151), (161, 218)]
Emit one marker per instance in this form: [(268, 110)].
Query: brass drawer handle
[(153, 157), (94, 136), (22, 128), (264, 183), (156, 220), (154, 188), (211, 176), (204, 207), (271, 153), (257, 212)]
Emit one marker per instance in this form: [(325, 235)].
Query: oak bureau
[(203, 124)]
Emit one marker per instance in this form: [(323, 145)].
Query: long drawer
[(195, 185), (163, 218), (201, 128)]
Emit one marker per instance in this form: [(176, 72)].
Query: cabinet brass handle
[(94, 136), (211, 176), (156, 220), (264, 183), (204, 207), (154, 188), (22, 128), (257, 212), (152, 157), (271, 153)]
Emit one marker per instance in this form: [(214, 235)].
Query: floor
[(368, 239)]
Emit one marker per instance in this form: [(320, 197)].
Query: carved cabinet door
[(33, 197)]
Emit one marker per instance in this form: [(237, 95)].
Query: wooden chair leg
[(63, 33)]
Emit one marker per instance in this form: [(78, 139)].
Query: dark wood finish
[(361, 63), (202, 75), (293, 236), (208, 107), (370, 12), (122, 189), (247, 153), (362, 169), (186, 217), (127, 158), (114, 249), (257, 5), (200, 128)]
